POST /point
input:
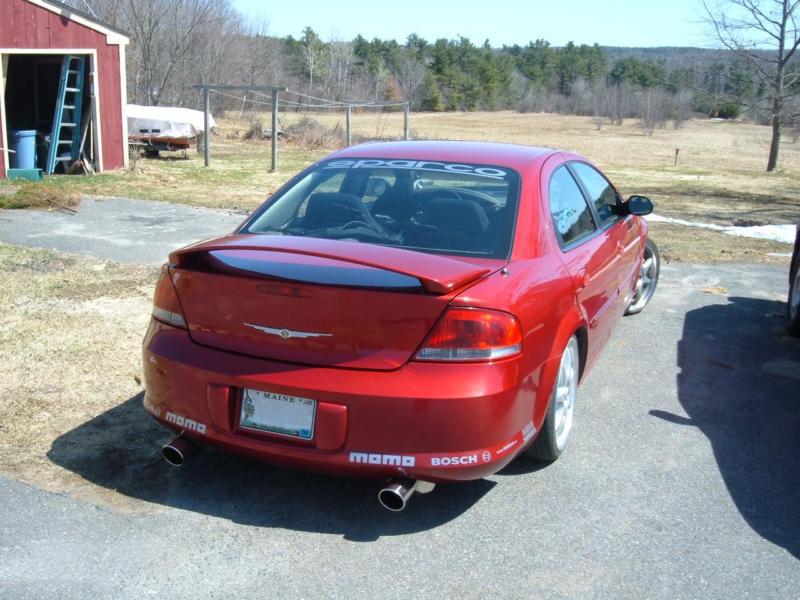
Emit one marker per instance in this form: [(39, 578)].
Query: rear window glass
[(429, 206)]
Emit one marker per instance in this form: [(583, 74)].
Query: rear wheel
[(560, 414), (648, 279), (793, 303)]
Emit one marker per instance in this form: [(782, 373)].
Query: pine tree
[(431, 94)]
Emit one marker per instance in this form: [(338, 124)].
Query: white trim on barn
[(3, 68), (98, 130), (90, 52), (123, 95), (112, 37)]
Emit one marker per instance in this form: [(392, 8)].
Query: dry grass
[(70, 335), (40, 195), (693, 245)]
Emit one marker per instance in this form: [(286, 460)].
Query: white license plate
[(278, 413)]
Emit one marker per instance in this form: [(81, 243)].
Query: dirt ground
[(70, 335)]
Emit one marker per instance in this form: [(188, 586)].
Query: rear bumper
[(435, 422)]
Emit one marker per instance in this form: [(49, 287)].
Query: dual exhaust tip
[(178, 451), (397, 492), (394, 496)]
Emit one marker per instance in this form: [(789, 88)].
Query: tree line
[(178, 43)]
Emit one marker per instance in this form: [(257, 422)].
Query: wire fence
[(255, 99)]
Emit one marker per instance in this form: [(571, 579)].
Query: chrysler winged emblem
[(287, 333)]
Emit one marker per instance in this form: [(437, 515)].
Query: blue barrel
[(23, 143)]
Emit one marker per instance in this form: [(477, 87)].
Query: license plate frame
[(278, 414)]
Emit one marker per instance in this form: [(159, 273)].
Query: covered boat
[(164, 127)]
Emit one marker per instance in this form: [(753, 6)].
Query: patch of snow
[(778, 233)]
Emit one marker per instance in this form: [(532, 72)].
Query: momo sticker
[(150, 407), (185, 422), (394, 460)]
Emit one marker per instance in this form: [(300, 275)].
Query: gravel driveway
[(681, 480)]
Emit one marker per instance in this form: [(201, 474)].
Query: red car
[(417, 311)]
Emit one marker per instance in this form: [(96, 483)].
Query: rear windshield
[(430, 206)]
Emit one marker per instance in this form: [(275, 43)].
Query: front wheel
[(560, 414), (648, 279)]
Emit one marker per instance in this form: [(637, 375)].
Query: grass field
[(719, 177)]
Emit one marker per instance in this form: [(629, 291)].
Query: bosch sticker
[(454, 461)]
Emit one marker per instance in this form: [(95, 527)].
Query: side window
[(600, 191), (331, 184), (571, 214)]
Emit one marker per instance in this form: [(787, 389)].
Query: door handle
[(581, 279)]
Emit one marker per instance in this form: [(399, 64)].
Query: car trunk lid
[(316, 301)]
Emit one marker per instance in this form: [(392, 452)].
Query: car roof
[(514, 156)]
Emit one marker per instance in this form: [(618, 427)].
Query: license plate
[(278, 413)]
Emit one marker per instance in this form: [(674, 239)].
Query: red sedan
[(417, 311)]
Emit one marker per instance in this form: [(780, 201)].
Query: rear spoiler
[(437, 274)]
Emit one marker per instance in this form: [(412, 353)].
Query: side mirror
[(639, 205)]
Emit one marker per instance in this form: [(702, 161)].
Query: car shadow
[(119, 450), (738, 383)]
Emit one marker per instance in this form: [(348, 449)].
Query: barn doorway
[(31, 104)]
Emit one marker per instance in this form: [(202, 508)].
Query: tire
[(793, 301), (648, 279), (552, 439)]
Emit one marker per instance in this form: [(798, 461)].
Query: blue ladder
[(67, 116)]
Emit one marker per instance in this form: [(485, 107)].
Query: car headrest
[(463, 215), (396, 202), (332, 209)]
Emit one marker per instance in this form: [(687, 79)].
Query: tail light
[(472, 334), (166, 307)]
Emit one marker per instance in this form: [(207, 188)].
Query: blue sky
[(607, 22)]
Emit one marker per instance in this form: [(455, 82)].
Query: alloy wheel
[(566, 392), (646, 284)]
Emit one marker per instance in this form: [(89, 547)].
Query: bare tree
[(681, 108), (313, 55), (652, 108), (165, 31), (338, 60), (411, 76), (765, 33)]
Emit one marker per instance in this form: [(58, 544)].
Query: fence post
[(274, 131), (348, 136), (405, 120), (206, 132), (244, 99)]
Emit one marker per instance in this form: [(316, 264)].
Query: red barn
[(35, 38)]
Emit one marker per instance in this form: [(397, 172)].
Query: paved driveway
[(681, 481), (120, 229)]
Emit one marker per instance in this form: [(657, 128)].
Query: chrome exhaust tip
[(397, 492), (178, 451)]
